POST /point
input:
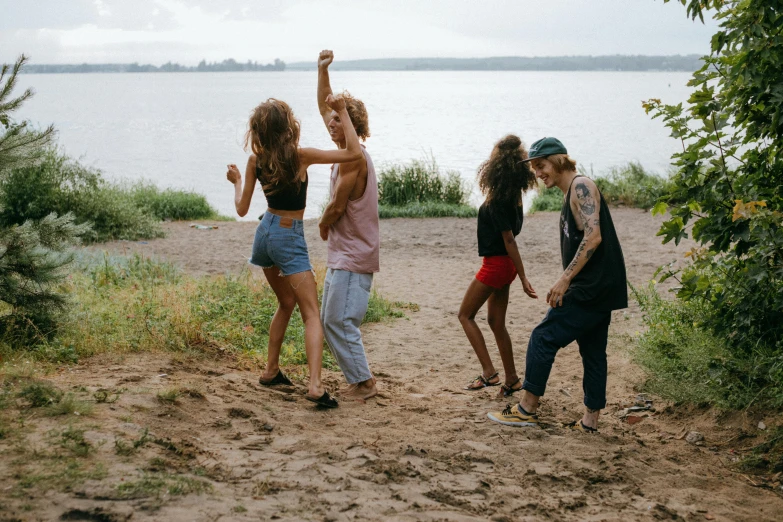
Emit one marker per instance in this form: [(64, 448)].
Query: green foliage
[(33, 255), (60, 184), (132, 304), (39, 394), (170, 203), (426, 209), (687, 362), (420, 182), (162, 484), (727, 192), (547, 199)]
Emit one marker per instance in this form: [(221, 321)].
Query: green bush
[(632, 186), (115, 211), (171, 204), (547, 199), (686, 361), (419, 182), (427, 209)]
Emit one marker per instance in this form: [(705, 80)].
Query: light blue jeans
[(343, 305)]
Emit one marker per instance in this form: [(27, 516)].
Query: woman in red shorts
[(502, 179)]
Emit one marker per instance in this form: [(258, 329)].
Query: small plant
[(160, 484), (73, 440), (169, 395), (40, 393), (124, 449), (69, 405)]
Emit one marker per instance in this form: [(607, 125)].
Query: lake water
[(180, 130)]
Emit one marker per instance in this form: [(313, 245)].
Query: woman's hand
[(335, 103), (233, 174), (528, 288)]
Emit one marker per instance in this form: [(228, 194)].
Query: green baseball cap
[(546, 147)]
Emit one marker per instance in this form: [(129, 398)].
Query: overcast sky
[(186, 31)]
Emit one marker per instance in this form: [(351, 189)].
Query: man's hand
[(336, 103), (528, 288), (324, 230), (233, 174), (555, 295), (325, 59)]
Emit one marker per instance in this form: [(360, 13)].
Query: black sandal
[(508, 391), (325, 400), (280, 378), (484, 381)]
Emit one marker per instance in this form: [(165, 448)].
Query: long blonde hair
[(273, 136)]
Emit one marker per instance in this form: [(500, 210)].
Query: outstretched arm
[(324, 87), (513, 253), (586, 204)]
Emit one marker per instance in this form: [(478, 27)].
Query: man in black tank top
[(593, 284)]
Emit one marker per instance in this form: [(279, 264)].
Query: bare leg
[(303, 286), (286, 303), (529, 402), (475, 297), (590, 418), (496, 317)]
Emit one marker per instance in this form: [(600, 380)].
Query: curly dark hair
[(504, 176)]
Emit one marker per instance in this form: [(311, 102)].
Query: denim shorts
[(280, 242)]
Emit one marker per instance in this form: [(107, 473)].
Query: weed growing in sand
[(69, 405), (169, 395), (161, 484), (124, 449), (72, 439), (40, 393)]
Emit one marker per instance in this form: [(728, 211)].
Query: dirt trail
[(424, 449)]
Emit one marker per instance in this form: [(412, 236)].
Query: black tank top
[(287, 198), (601, 284)]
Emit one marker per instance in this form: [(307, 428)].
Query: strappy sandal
[(280, 378), (325, 400), (508, 391), (580, 427), (484, 382)]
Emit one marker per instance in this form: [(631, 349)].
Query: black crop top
[(288, 198)]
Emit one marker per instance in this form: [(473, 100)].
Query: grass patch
[(685, 362), (69, 405), (766, 457), (172, 204), (39, 394), (72, 439), (135, 304), (427, 209), (161, 484), (168, 396), (420, 189)]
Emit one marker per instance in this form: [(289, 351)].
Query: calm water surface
[(180, 130)]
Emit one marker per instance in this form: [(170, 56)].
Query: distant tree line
[(518, 63), (229, 65)]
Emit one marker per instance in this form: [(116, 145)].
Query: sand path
[(424, 449)]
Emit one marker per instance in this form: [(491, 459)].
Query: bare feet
[(360, 391)]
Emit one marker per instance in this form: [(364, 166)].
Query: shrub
[(427, 209), (170, 203), (419, 182), (547, 199), (632, 186)]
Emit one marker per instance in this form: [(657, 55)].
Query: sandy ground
[(423, 449)]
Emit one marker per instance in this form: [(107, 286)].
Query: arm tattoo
[(586, 200), (578, 254)]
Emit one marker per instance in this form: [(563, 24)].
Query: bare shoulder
[(358, 167), (584, 187), (251, 160), (585, 197)]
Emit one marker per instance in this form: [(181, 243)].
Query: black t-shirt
[(492, 221), (601, 284)]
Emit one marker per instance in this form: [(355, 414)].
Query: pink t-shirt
[(355, 240)]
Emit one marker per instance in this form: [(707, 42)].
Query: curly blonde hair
[(505, 175), (358, 114), (273, 136)]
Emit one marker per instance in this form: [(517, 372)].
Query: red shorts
[(497, 271)]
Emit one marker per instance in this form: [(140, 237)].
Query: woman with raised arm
[(279, 248)]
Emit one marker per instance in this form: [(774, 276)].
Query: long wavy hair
[(273, 136), (504, 177)]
